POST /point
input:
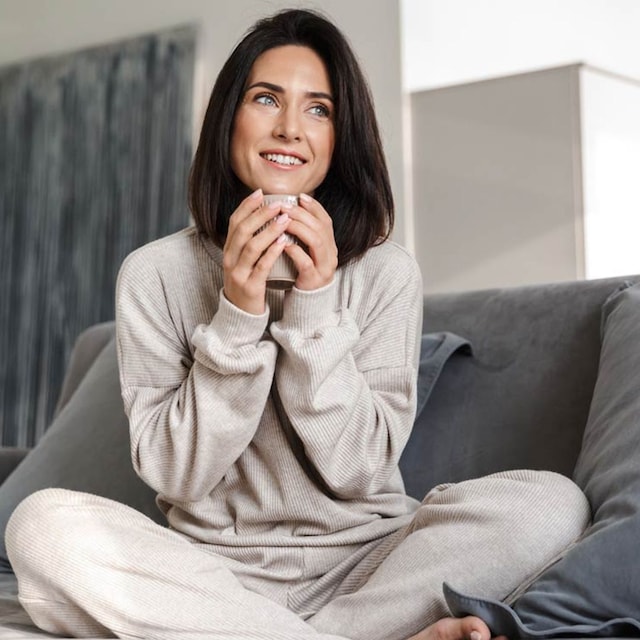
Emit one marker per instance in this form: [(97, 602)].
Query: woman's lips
[(282, 159)]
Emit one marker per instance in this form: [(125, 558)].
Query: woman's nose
[(288, 125)]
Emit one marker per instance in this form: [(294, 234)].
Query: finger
[(256, 278), (239, 260), (300, 257), (248, 222), (320, 243), (308, 234), (246, 208), (245, 287), (262, 268), (314, 207), (250, 204), (241, 233), (260, 242), (318, 222), (308, 277), (257, 222), (297, 212)]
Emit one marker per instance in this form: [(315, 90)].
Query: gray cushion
[(504, 621), (86, 448), (599, 580), (435, 350), (593, 590), (527, 384)]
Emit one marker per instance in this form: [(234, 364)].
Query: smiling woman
[(271, 423), (317, 69), (282, 143), (283, 135)]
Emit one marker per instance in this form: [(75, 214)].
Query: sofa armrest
[(86, 349), (10, 458)]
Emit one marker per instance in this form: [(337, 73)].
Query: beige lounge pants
[(90, 567)]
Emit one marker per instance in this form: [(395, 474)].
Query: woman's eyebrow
[(320, 95), (267, 85), (276, 88)]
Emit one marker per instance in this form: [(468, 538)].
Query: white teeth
[(281, 159)]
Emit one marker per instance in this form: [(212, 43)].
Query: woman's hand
[(312, 225), (247, 257)]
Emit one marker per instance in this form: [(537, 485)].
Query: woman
[(269, 422)]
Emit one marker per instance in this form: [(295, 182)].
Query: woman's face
[(283, 133)]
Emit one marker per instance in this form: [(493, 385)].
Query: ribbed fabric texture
[(196, 375), (90, 567), (257, 550)]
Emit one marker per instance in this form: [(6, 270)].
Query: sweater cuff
[(233, 327), (308, 311)]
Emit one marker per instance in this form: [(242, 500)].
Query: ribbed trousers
[(90, 567)]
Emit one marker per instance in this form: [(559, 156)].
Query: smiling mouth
[(279, 158)]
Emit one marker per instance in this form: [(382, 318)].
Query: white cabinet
[(527, 178)]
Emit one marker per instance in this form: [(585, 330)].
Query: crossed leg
[(486, 537), (90, 567)]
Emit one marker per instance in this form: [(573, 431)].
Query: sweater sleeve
[(350, 391), (193, 408)]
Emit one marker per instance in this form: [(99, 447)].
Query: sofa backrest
[(522, 398)]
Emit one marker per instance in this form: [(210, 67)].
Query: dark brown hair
[(355, 192)]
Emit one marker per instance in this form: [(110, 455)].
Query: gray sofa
[(541, 377)]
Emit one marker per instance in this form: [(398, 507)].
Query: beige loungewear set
[(257, 547)]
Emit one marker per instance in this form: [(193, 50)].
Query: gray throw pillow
[(598, 579), (593, 590), (86, 448), (435, 350)]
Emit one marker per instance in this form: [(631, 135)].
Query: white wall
[(610, 122), (456, 44), (30, 28), (448, 42)]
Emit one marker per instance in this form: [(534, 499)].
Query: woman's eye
[(320, 110), (266, 99)]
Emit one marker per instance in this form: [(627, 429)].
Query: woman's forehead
[(289, 66)]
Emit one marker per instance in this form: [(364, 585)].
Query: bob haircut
[(355, 192)]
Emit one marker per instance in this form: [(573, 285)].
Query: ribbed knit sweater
[(196, 374)]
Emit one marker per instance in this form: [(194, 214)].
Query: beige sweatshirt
[(196, 374)]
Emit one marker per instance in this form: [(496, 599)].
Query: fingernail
[(256, 194), (282, 218), (280, 240), (306, 198), (475, 635), (287, 206)]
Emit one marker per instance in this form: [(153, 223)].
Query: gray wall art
[(95, 148)]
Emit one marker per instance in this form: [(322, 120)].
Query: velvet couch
[(544, 377)]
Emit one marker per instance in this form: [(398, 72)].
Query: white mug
[(283, 273)]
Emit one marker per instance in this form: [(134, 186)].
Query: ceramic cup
[(283, 273)]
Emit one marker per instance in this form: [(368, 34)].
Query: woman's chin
[(288, 185), (281, 187)]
